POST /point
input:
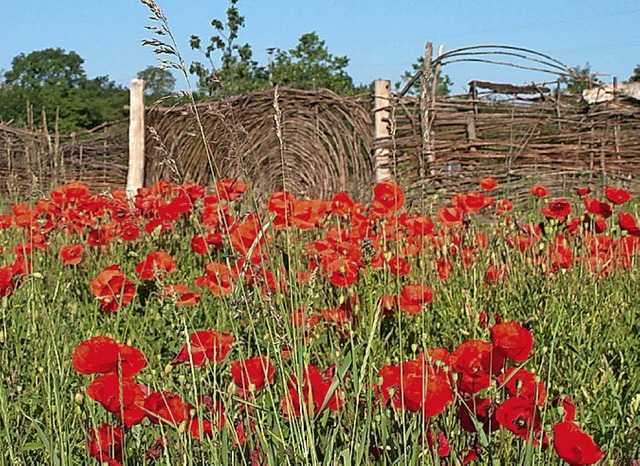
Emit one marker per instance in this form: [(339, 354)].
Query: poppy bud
[(78, 398)]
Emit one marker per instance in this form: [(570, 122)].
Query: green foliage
[(444, 81), (231, 69), (236, 71), (310, 65), (54, 81), (636, 75), (581, 78), (585, 346), (158, 82)]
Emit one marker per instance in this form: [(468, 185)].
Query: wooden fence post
[(135, 175), (382, 100)]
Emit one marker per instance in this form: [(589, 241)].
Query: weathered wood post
[(381, 156), (135, 175)]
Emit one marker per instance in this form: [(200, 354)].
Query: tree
[(636, 75), (158, 82), (55, 81), (236, 71), (444, 81), (310, 65), (579, 79)]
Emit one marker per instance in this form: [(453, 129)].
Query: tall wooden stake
[(382, 100), (135, 176)]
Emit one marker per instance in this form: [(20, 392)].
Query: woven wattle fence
[(34, 161), (316, 143), (550, 139), (311, 143)]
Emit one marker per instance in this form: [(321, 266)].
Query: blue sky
[(382, 38)]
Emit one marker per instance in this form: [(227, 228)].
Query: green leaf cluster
[(231, 69), (53, 82)]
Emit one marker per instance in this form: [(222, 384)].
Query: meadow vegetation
[(192, 326)]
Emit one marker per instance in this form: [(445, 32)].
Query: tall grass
[(585, 331)]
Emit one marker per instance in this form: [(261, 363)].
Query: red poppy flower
[(205, 416), (627, 222), (301, 318), (106, 443), (247, 237), (342, 272), (7, 284), (575, 446), (129, 232), (216, 216), (103, 355), (399, 266), (417, 225), (413, 297), (205, 346), (523, 383), (504, 206), (113, 289), (342, 204), (417, 386), (24, 215), (308, 214), (120, 395), (281, 203), (254, 373), (489, 183), (583, 191), (496, 273), (476, 361), (594, 206), (179, 293), (617, 195), (512, 340), (567, 407), (443, 449), (165, 407), (444, 267), (199, 245), (472, 202), (387, 197), (231, 188), (449, 216), (217, 278), (539, 191), (72, 254), (478, 411), (313, 392), (522, 417), (5, 221), (559, 210), (155, 263)]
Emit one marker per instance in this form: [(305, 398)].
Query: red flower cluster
[(375, 242), (112, 289), (313, 394)]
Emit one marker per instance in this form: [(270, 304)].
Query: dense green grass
[(585, 329)]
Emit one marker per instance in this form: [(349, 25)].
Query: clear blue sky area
[(382, 38)]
